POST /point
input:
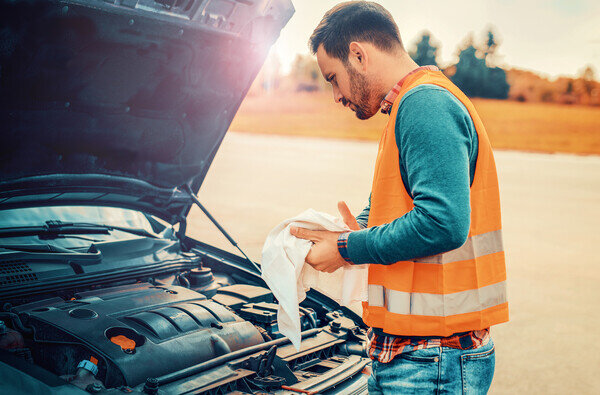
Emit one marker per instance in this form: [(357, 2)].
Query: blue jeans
[(440, 370)]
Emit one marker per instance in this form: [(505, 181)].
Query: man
[(431, 233)]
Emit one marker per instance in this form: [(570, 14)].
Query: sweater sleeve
[(363, 217), (434, 135)]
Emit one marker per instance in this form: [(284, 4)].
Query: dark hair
[(355, 21)]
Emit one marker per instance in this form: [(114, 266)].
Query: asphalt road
[(550, 211)]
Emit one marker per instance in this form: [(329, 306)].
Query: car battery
[(265, 315)]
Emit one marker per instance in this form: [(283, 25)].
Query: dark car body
[(111, 113)]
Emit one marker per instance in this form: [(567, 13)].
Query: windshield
[(37, 216)]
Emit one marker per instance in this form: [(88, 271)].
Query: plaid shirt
[(388, 100), (383, 347)]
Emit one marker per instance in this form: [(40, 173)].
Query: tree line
[(476, 73)]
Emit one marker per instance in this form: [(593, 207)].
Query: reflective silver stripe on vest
[(474, 247), (435, 304)]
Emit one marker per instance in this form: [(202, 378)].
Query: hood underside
[(123, 100)]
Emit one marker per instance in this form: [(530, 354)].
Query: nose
[(337, 95)]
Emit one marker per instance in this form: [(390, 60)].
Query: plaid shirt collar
[(388, 100)]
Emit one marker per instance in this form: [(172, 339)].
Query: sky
[(550, 37)]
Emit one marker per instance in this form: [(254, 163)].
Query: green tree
[(425, 51), (495, 85), (489, 47), (470, 70), (474, 77)]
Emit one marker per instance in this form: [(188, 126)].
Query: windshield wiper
[(54, 228), (36, 248), (44, 252)]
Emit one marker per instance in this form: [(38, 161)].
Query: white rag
[(284, 271)]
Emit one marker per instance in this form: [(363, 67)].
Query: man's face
[(350, 87)]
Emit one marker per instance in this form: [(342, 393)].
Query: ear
[(358, 56)]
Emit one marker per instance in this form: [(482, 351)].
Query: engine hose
[(16, 321), (183, 281), (353, 349), (309, 316)]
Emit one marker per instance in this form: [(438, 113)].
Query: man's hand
[(347, 216), (324, 255)]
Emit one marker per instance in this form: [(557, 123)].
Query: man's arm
[(434, 134)]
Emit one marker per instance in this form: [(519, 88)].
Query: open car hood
[(121, 102)]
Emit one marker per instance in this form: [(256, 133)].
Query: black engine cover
[(172, 328)]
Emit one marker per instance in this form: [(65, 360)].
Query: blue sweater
[(437, 143)]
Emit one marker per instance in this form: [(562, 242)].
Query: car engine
[(126, 329), (189, 331)]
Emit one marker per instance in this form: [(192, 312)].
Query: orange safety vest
[(456, 291)]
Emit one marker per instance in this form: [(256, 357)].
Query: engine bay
[(202, 329), (114, 111)]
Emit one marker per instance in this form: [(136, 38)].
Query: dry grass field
[(537, 127)]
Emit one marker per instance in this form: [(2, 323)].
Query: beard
[(360, 89)]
